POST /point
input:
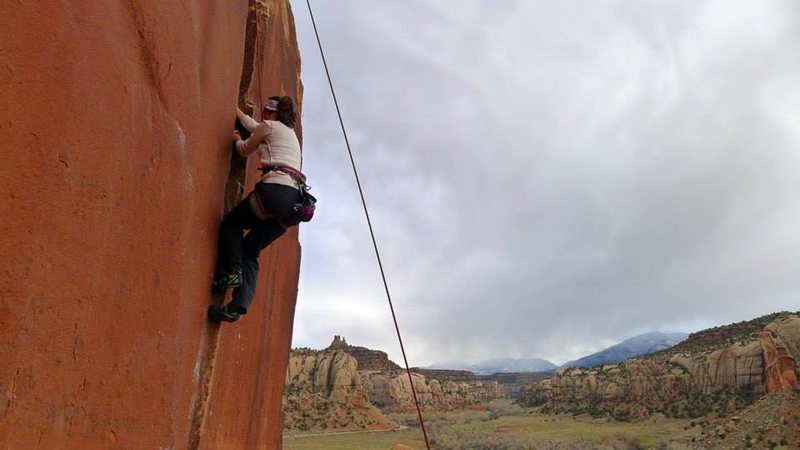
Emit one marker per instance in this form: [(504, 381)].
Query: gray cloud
[(547, 177)]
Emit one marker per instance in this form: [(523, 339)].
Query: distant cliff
[(368, 359), (324, 391), (391, 391), (713, 371), (388, 387), (328, 389), (116, 126)]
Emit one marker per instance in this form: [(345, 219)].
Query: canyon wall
[(684, 382), (324, 391), (368, 359), (391, 391), (388, 387), (328, 389), (116, 127)]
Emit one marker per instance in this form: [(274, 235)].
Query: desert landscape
[(732, 386), (583, 217)]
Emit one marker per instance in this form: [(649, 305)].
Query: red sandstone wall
[(779, 374), (115, 126)]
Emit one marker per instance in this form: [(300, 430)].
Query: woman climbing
[(268, 211)]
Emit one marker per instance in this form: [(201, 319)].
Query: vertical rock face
[(781, 343), (787, 328), (116, 126)]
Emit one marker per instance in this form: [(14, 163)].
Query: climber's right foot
[(229, 280), (217, 313)]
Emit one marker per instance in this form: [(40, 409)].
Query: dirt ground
[(508, 427)]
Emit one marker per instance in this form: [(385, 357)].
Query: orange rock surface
[(116, 126), (779, 373)]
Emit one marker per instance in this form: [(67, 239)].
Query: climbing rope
[(369, 224)]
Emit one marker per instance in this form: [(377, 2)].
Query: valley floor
[(508, 427)]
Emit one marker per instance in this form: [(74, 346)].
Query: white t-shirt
[(279, 146)]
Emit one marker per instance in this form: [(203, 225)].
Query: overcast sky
[(547, 178)]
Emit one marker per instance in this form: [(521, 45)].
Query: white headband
[(272, 105)]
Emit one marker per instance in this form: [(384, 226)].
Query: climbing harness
[(291, 171), (307, 203), (369, 224)]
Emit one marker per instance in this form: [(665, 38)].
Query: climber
[(268, 211)]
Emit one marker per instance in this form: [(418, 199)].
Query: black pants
[(239, 251)]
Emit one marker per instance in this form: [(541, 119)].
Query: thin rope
[(369, 224)]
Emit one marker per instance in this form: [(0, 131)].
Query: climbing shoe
[(217, 313), (229, 280)]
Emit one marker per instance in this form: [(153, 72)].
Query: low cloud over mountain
[(630, 348)]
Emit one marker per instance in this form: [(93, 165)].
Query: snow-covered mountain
[(498, 365), (630, 348)]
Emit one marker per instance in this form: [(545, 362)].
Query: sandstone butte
[(350, 387), (116, 125)]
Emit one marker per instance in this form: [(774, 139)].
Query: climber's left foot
[(217, 313)]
